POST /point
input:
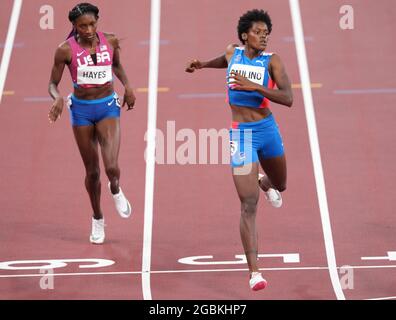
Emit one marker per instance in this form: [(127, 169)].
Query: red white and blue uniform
[(250, 141), (86, 74)]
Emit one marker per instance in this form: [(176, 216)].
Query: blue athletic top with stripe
[(256, 70)]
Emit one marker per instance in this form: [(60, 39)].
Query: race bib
[(94, 74), (253, 73)]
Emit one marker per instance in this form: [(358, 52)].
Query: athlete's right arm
[(220, 62), (62, 56)]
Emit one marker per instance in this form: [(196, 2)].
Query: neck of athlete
[(251, 52), (88, 43)]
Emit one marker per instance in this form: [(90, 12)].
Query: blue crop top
[(256, 70)]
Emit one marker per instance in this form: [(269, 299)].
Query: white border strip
[(314, 143), (116, 273), (150, 151), (9, 44), (383, 298)]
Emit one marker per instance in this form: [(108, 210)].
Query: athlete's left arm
[(129, 96), (282, 95)]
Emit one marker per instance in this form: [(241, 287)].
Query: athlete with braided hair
[(92, 58)]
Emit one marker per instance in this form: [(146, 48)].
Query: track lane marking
[(308, 268), (159, 89), (314, 144), (9, 43), (155, 17)]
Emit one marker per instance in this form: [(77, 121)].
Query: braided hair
[(78, 11)]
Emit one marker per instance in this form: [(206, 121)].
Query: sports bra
[(84, 72), (256, 70)]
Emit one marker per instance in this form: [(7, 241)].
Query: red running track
[(45, 210)]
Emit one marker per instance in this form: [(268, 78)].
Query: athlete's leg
[(108, 131), (88, 145), (245, 180), (272, 158), (276, 173)]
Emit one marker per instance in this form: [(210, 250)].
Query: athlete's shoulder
[(112, 39), (64, 46), (64, 50), (63, 53), (230, 51), (275, 59), (231, 48)]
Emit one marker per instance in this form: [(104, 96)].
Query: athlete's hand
[(239, 82), (129, 98), (193, 65), (56, 110)]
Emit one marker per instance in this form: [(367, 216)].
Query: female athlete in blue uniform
[(254, 135)]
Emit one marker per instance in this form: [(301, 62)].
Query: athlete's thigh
[(246, 181), (275, 169), (87, 144), (109, 136)]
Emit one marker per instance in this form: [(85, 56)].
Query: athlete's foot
[(97, 234), (257, 282), (122, 204), (272, 195)]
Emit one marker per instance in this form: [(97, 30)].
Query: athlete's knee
[(113, 172), (249, 205), (93, 175)]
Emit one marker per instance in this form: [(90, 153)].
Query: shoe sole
[(96, 241), (259, 286)]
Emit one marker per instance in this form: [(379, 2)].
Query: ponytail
[(72, 33)]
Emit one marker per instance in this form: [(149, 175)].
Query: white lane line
[(391, 256), (155, 272), (113, 273), (150, 151), (365, 91), (314, 143), (383, 298), (16, 45), (9, 44)]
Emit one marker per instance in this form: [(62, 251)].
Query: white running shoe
[(273, 196), (97, 233), (257, 282), (122, 204)]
